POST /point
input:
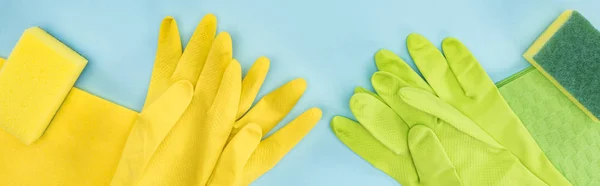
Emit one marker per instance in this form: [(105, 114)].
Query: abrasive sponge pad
[(568, 54), (34, 82)]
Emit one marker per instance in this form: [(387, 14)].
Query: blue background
[(330, 43)]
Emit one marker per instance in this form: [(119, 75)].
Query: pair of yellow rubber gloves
[(452, 127), (197, 127)]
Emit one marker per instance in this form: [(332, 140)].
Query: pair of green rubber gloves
[(451, 128)]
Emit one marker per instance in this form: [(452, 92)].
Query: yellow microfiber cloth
[(35, 81), (568, 54), (81, 146)]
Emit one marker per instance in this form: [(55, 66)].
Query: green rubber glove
[(448, 148), (456, 79), (426, 150)]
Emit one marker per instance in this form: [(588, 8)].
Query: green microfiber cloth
[(569, 138), (568, 54)]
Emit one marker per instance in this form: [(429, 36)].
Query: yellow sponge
[(34, 82)]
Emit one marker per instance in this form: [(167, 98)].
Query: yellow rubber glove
[(246, 157), (233, 169), (151, 127), (200, 142)]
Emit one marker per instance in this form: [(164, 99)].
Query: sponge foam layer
[(34, 82)]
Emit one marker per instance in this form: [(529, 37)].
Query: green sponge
[(568, 54)]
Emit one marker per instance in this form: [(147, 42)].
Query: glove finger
[(252, 84), (358, 139), (388, 87), (434, 67), (230, 167), (218, 121), (364, 90), (167, 57), (2, 62), (387, 61), (167, 110), (196, 51), (380, 120), (271, 150), (272, 108), (152, 126), (434, 106), (469, 73), (430, 158), (218, 60)]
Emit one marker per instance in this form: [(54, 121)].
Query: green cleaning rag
[(570, 139)]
